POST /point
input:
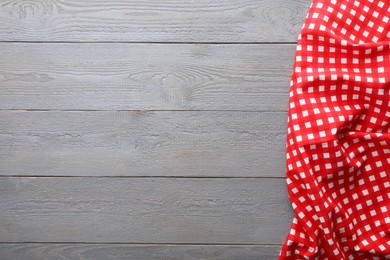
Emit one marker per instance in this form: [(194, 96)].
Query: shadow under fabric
[(338, 136)]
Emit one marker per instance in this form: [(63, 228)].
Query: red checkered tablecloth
[(338, 137)]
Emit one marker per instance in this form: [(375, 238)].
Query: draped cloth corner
[(338, 135)]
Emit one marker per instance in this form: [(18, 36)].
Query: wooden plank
[(137, 252), (135, 143), (145, 76), (144, 210), (152, 21)]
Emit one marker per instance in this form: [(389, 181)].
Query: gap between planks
[(141, 244), (143, 42), (127, 177), (140, 110)]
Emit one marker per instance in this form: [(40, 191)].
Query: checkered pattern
[(338, 139)]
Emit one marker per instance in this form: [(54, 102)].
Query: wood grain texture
[(134, 143), (152, 21), (136, 252), (144, 210), (145, 76), (125, 184)]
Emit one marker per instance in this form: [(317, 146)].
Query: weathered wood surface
[(136, 252), (145, 76), (134, 143), (152, 21), (36, 251), (144, 210), (213, 104)]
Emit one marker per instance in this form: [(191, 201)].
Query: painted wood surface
[(152, 21), (145, 129), (36, 251), (140, 143), (144, 210), (145, 76)]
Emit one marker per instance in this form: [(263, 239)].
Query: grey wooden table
[(145, 129)]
